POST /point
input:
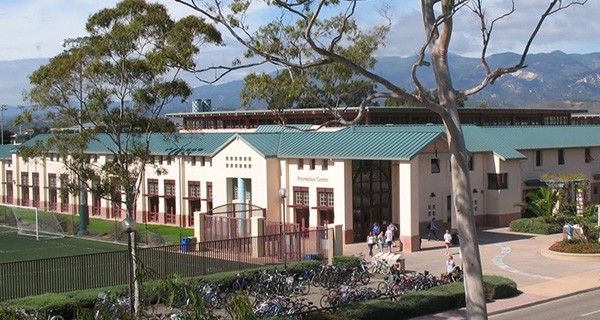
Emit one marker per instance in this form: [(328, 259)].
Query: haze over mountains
[(553, 79)]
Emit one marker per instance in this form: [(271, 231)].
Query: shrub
[(576, 246), (346, 262), (436, 299), (534, 225)]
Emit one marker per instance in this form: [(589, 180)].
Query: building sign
[(312, 179)]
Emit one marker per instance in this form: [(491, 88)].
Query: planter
[(593, 257)]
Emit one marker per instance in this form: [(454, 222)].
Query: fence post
[(257, 229), (335, 245), (199, 226)]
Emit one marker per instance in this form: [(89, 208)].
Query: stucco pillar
[(335, 245), (408, 190), (257, 226), (199, 226)]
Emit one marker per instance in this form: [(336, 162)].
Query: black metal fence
[(34, 277)]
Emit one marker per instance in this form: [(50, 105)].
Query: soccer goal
[(35, 223)]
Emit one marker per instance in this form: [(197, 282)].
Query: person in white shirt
[(447, 241), (370, 243)]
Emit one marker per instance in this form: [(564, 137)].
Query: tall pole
[(283, 195), (74, 44), (2, 108)]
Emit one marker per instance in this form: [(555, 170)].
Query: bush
[(576, 246), (346, 262), (534, 225), (419, 303)]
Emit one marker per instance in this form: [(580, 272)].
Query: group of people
[(381, 238)]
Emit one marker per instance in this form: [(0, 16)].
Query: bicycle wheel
[(383, 287), (324, 302), (365, 278), (304, 288)]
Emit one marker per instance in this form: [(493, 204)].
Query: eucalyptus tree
[(116, 81), (305, 34)]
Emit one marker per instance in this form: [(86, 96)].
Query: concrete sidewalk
[(516, 256)]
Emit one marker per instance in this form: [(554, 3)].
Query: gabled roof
[(6, 151), (385, 142), (360, 142)]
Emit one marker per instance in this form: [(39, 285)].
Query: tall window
[(169, 201), (209, 196), (9, 186), (64, 193), (24, 188), (153, 200), (325, 205), (497, 181), (539, 158), (35, 179), (194, 200), (52, 192), (325, 164), (471, 163), (300, 164), (561, 156)]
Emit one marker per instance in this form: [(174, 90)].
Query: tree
[(118, 79), (541, 202), (305, 34)]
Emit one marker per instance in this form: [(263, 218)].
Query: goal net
[(35, 223)]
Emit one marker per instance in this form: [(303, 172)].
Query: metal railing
[(88, 271)]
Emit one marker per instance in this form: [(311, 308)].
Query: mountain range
[(550, 80)]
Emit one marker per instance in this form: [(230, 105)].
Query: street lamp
[(129, 225), (2, 109), (70, 45), (283, 195)]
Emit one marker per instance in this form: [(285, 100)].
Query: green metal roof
[(6, 151), (279, 128), (547, 137), (385, 142), (373, 142)]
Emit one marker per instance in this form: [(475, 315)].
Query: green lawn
[(14, 247)]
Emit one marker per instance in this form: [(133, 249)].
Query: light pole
[(70, 45), (2, 109), (283, 195), (129, 225)]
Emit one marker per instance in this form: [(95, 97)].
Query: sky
[(37, 28)]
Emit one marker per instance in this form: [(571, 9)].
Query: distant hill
[(554, 79)]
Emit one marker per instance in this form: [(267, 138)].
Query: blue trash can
[(185, 244)]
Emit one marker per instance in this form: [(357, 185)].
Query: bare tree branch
[(491, 77)]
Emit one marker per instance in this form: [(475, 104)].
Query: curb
[(541, 301), (583, 257)]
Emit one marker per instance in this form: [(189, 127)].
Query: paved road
[(580, 306), (512, 255)]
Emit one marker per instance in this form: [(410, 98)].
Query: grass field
[(14, 247), (102, 237)]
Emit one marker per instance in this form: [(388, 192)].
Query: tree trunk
[(465, 218)]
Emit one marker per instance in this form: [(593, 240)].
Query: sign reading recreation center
[(313, 179)]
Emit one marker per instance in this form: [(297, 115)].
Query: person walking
[(370, 243), (380, 241), (447, 241), (389, 238), (376, 229), (432, 227)]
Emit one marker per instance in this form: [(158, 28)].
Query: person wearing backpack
[(376, 229)]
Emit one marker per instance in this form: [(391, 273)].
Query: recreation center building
[(349, 176)]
